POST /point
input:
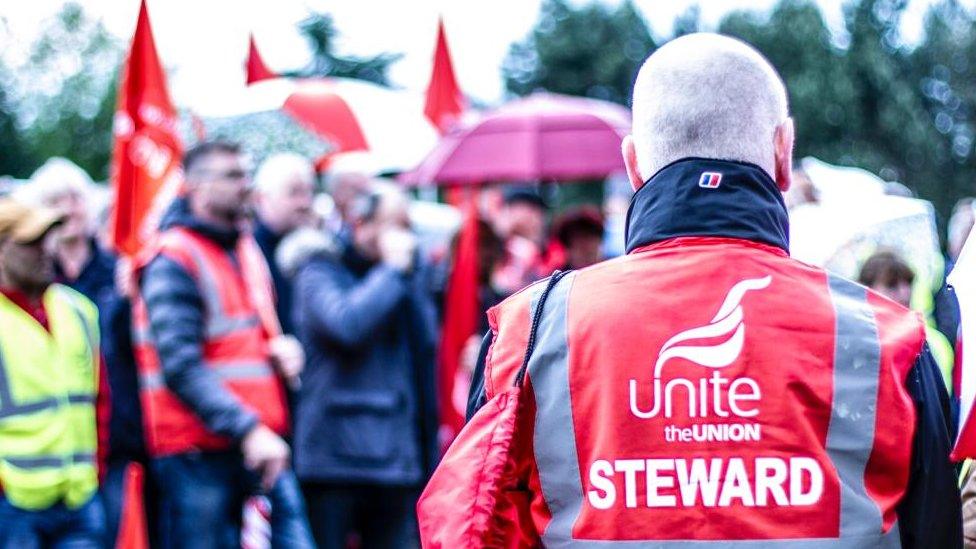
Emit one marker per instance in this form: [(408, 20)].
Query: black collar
[(677, 201)]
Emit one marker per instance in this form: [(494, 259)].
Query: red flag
[(461, 311), (132, 524), (445, 102), (254, 67), (146, 172)]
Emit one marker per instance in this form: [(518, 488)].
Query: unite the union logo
[(715, 395)]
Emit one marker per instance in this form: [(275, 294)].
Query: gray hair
[(710, 96), (56, 178), (279, 168)]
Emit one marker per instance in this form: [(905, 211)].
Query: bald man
[(705, 390)]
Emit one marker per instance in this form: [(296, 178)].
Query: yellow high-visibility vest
[(48, 384)]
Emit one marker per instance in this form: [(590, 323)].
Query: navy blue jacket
[(96, 281), (268, 241), (176, 316), (752, 209), (367, 411)]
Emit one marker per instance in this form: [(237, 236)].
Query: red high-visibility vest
[(235, 343), (709, 389)]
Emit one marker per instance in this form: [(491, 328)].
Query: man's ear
[(783, 145), (630, 162)]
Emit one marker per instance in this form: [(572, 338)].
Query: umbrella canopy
[(541, 137), (353, 115)]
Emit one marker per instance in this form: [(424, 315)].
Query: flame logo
[(727, 322)]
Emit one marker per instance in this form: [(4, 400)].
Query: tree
[(320, 31), (65, 92), (592, 51)]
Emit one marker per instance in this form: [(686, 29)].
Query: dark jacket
[(97, 282), (929, 514), (176, 317), (366, 412), (268, 241)]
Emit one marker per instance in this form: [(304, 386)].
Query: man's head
[(523, 214), (285, 185), (709, 96), (63, 186), (346, 187), (889, 275), (382, 208), (26, 257), (217, 182), (580, 232)]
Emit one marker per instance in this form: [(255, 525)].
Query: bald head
[(709, 96)]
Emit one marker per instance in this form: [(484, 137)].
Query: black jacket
[(176, 317), (929, 516), (366, 412)]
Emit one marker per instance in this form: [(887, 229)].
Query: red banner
[(146, 169)]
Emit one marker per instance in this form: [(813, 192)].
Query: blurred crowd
[(271, 355), (269, 363)]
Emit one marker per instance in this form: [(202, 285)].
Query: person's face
[(584, 250), (345, 190), (291, 207), (220, 184), (525, 220), (28, 267), (391, 214), (76, 222), (899, 291)]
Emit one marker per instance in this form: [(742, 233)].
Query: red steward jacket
[(703, 390)]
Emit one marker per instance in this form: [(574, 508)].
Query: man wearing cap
[(50, 376)]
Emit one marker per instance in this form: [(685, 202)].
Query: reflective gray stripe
[(49, 462), (555, 438), (850, 434), (220, 325), (29, 408), (227, 371), (850, 437), (81, 399)]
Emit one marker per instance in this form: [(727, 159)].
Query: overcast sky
[(203, 43)]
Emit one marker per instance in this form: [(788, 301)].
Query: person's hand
[(288, 356), (396, 248), (265, 453)]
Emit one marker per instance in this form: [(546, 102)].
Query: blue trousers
[(56, 527), (202, 497)]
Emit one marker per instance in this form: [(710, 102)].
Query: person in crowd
[(366, 425), (345, 187), (521, 223), (53, 397), (889, 275), (706, 387), (285, 189), (580, 233), (83, 265), (211, 363)]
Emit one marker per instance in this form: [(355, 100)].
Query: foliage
[(859, 96), (321, 33), (592, 51), (65, 93)]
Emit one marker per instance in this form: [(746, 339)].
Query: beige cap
[(25, 224)]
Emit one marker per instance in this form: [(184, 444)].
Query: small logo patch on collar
[(710, 180)]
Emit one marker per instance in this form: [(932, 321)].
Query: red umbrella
[(544, 136)]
